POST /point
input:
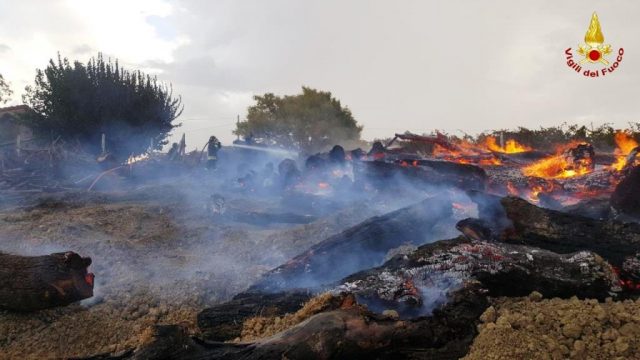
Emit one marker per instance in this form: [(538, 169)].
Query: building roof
[(14, 109)]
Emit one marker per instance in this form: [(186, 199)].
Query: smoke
[(179, 232)]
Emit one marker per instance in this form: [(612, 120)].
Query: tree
[(80, 102), (309, 122), (5, 90)]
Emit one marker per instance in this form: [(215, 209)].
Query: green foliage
[(5, 91), (310, 122), (80, 102)]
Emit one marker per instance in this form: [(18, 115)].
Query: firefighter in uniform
[(212, 152)]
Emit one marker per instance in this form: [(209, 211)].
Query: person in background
[(212, 152), (173, 152)]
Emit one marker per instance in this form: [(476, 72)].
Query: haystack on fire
[(295, 242)]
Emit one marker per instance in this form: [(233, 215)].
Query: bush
[(80, 102)]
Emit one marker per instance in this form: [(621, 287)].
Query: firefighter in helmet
[(212, 152)]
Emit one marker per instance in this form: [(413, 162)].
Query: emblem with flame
[(594, 50)]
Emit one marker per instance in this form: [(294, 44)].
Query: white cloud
[(416, 65)]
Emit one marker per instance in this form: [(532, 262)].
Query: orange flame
[(559, 166), (134, 159), (625, 144), (510, 147), (466, 153)]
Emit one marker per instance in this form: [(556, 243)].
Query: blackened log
[(360, 247), (564, 233), (502, 269), (224, 321), (434, 327), (39, 282), (421, 173), (626, 197), (596, 208)]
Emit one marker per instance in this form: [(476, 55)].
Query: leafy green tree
[(310, 122), (80, 102), (5, 90)]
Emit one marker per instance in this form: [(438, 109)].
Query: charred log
[(414, 285), (360, 247), (626, 197), (39, 282), (598, 208), (422, 173), (224, 322), (564, 233)]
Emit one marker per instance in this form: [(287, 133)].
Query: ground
[(536, 328), (159, 258)]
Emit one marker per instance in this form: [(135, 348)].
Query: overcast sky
[(398, 65)]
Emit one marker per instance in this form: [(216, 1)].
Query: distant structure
[(10, 126)]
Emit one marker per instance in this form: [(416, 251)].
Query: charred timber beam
[(224, 322), (564, 233), (362, 246), (422, 173), (39, 282), (463, 272)]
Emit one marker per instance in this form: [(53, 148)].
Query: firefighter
[(212, 152), (377, 151), (173, 152)]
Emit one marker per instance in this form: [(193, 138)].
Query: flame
[(558, 166), (535, 191), (510, 147), (134, 159), (512, 189), (323, 185), (466, 152), (594, 36), (625, 144)]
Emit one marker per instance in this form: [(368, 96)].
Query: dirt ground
[(536, 328), (155, 261), (160, 258)]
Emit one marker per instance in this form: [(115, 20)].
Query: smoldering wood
[(596, 208), (426, 173), (359, 247), (224, 322), (626, 196), (353, 331), (564, 233), (30, 283)]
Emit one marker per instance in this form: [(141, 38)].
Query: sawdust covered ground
[(157, 258), (535, 328)]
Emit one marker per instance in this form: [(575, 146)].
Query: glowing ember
[(511, 189), (510, 147), (625, 144), (466, 153), (134, 159)]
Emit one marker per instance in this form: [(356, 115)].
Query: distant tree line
[(602, 136)]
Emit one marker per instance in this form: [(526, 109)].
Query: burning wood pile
[(561, 223), (427, 301)]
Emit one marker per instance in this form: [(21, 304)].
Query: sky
[(456, 66)]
